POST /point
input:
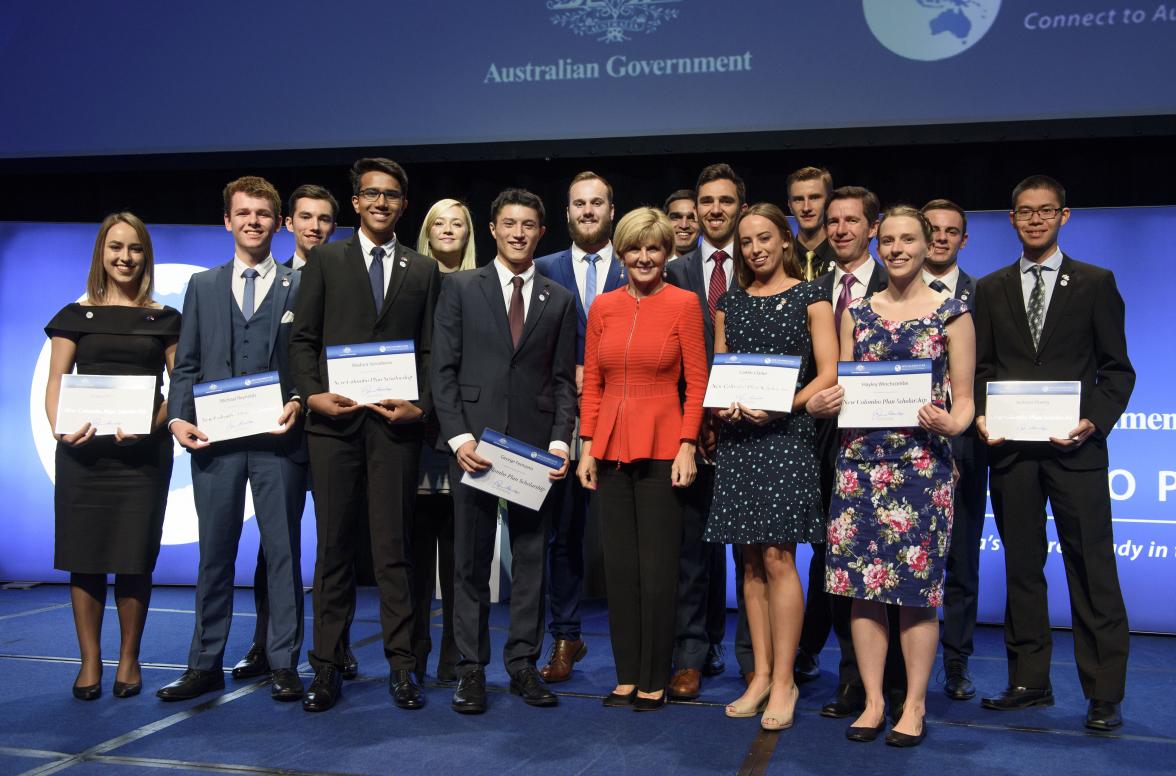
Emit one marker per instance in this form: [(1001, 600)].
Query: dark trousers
[(432, 542), (570, 505), (961, 586), (641, 525), (474, 524), (367, 470), (818, 609), (1082, 515), (701, 618), (278, 485)]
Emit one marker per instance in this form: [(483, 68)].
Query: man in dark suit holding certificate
[(369, 288), (1049, 317), (504, 358)]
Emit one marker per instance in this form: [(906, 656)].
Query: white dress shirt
[(261, 283), (708, 264), (858, 289), (580, 268), (389, 256), (1049, 277), (951, 280), (297, 262)]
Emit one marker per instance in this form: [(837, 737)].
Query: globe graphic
[(927, 30)]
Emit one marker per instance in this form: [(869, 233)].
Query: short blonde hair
[(96, 281), (641, 225), (468, 255)]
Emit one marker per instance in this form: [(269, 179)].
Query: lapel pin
[(403, 263), (780, 306), (90, 314), (1065, 280), (151, 317), (285, 281)]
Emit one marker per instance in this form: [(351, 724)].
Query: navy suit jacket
[(558, 267), (686, 272), (967, 445)]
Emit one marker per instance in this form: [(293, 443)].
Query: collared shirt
[(824, 258), (504, 278), (1049, 276), (951, 280), (297, 262), (708, 264), (389, 247), (261, 284), (580, 267), (858, 289)]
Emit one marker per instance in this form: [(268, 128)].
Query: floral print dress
[(890, 516)]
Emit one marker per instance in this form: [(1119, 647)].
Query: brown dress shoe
[(564, 654), (684, 686)]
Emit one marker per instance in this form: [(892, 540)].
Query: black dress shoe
[(849, 699), (126, 689), (325, 691), (1103, 716), (285, 685), (446, 674), (350, 664), (714, 663), (864, 735), (253, 664), (806, 667), (649, 704), (614, 700), (958, 684), (405, 692), (904, 741), (470, 697), (192, 683), (534, 693), (895, 700), (1013, 698)]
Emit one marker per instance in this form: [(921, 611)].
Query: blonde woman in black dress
[(111, 491)]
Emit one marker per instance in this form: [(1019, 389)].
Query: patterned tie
[(516, 315), (247, 300), (808, 264), (376, 275), (844, 299), (1036, 305), (718, 282), (590, 280), (938, 285)]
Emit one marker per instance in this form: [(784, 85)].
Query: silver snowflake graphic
[(611, 21)]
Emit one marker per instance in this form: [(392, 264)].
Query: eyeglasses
[(371, 195), (1047, 213)]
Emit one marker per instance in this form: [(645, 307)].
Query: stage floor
[(241, 730)]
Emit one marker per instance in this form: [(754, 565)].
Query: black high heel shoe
[(89, 692), (126, 689)]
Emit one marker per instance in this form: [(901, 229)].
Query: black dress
[(109, 499)]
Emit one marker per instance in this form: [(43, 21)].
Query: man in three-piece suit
[(588, 268), (961, 587), (311, 213), (504, 358), (1049, 317), (708, 271), (237, 319), (364, 457)]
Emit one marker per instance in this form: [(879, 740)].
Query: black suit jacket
[(968, 445), (335, 307), (686, 272), (1082, 339), (480, 380)]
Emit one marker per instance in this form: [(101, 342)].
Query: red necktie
[(844, 300), (516, 316), (718, 282)]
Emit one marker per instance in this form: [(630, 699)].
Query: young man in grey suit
[(504, 359), (236, 322)]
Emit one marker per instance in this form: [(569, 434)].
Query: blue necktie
[(247, 300), (590, 280), (376, 275)]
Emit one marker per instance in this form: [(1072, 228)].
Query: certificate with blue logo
[(757, 381), (370, 372), (239, 406), (1032, 410), (107, 403), (883, 394), (518, 471)]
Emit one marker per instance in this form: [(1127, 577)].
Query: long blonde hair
[(96, 281), (468, 258)]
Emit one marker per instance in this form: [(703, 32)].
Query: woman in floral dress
[(890, 517)]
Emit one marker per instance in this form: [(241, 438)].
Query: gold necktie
[(808, 269)]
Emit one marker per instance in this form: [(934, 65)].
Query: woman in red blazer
[(639, 442)]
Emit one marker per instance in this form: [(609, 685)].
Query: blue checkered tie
[(376, 275), (247, 300)]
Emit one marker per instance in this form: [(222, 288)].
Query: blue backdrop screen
[(43, 267)]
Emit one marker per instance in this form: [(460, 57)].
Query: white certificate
[(518, 471), (758, 382), (239, 406), (106, 402), (1032, 411), (883, 394), (373, 371)]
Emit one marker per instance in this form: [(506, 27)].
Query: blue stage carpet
[(243, 731)]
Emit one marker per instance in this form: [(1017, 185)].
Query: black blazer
[(1082, 339), (686, 272), (335, 307), (480, 380), (968, 445)]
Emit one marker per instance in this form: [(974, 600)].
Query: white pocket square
[(288, 317)]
